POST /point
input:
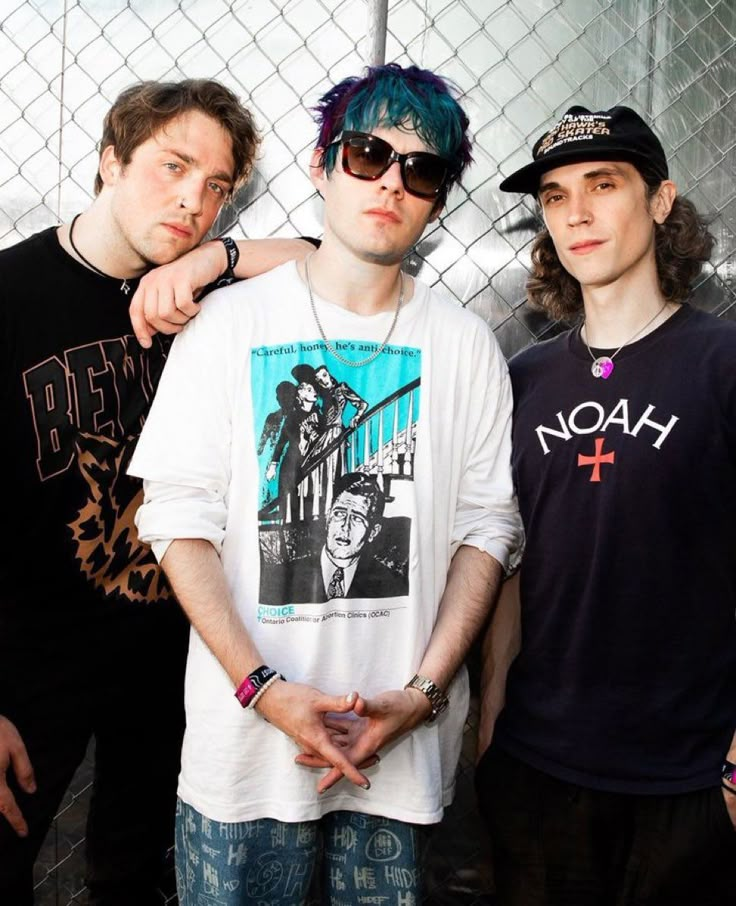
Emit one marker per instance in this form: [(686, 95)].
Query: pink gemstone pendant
[(602, 367)]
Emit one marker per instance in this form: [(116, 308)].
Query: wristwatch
[(728, 772), (437, 698)]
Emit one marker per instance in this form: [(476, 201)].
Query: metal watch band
[(437, 698), (728, 771)]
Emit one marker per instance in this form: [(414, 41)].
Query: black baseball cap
[(615, 134)]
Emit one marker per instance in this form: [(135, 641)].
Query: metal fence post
[(376, 32)]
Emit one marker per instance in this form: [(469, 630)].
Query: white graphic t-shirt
[(337, 497)]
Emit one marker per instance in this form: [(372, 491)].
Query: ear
[(661, 204), (316, 170), (110, 166), (436, 211), (374, 532)]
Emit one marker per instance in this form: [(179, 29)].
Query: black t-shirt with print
[(75, 391), (626, 680)]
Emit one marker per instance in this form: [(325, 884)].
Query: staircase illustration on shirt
[(376, 445)]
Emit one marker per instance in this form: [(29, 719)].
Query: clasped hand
[(360, 735)]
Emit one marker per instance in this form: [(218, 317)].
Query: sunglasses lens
[(425, 174), (367, 156)]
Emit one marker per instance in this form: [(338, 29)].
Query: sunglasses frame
[(344, 140)]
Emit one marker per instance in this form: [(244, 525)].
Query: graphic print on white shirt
[(336, 450)]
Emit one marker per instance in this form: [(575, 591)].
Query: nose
[(392, 180), (578, 210), (192, 195)]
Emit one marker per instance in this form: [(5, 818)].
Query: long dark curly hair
[(681, 244)]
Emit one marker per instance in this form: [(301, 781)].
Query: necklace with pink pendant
[(603, 366)]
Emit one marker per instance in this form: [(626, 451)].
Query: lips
[(384, 214), (179, 230), (586, 245)]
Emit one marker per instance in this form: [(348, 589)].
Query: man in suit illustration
[(345, 566)]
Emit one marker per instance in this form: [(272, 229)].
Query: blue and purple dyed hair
[(393, 95)]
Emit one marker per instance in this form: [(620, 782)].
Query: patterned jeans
[(363, 859)]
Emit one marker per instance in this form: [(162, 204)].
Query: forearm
[(209, 260), (167, 296), (260, 255), (472, 586), (198, 579), (501, 644), (196, 574)]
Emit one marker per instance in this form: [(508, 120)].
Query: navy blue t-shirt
[(626, 680)]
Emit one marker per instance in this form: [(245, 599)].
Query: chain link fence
[(519, 65)]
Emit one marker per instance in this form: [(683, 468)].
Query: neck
[(97, 237), (363, 287), (614, 313)]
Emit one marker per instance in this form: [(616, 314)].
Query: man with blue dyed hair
[(347, 718), (412, 98)]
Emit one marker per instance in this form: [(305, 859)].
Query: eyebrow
[(591, 174), (188, 159)]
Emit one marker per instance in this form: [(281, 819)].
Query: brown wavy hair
[(143, 109), (681, 246)]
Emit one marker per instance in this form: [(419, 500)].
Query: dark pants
[(557, 844), (127, 695)]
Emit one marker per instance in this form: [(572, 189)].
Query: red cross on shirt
[(597, 459)]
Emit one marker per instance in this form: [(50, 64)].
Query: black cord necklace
[(125, 287)]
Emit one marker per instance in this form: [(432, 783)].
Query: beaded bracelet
[(270, 682), (254, 683)]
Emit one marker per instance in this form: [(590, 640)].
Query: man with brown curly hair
[(92, 642), (604, 783)]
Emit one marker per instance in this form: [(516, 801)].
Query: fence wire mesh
[(519, 65)]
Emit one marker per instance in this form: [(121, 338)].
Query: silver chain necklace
[(603, 366), (330, 347)]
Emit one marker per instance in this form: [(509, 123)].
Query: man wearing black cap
[(604, 783)]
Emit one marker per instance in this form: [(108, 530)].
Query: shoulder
[(710, 342), (31, 270), (26, 253), (701, 337), (448, 312), (276, 280), (373, 579), (714, 329), (539, 355), (243, 299), (456, 326)]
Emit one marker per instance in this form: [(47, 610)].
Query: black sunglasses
[(367, 156)]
